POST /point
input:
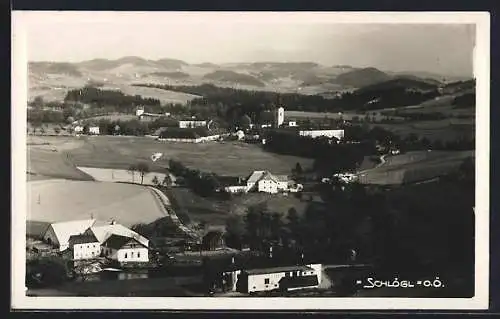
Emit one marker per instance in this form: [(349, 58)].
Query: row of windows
[(88, 246), (132, 255)]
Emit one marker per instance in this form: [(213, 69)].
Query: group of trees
[(142, 168), (203, 184), (329, 156), (99, 97)]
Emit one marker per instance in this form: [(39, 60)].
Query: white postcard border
[(21, 19)]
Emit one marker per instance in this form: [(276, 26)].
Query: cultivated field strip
[(64, 200)]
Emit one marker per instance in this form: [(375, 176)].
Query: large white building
[(338, 134), (286, 278), (192, 123)]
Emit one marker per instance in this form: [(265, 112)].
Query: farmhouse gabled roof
[(278, 269), (117, 241), (82, 239), (102, 233), (255, 176), (64, 230)]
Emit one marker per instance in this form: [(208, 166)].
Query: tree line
[(253, 102), (99, 97)]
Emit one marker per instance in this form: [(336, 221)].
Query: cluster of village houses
[(90, 239), (193, 122)]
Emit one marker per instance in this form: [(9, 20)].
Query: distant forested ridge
[(389, 94)]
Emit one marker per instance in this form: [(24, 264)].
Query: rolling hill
[(286, 77), (233, 77), (361, 78)]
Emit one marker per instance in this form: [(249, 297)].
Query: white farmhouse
[(125, 249), (84, 246), (103, 232), (264, 181)]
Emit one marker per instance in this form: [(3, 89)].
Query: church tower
[(279, 115)]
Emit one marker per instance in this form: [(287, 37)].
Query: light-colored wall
[(188, 124), (339, 134), (86, 251), (235, 189), (257, 282), (94, 130), (268, 186), (281, 116), (140, 254)]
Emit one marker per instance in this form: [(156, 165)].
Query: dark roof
[(277, 269), (82, 239), (299, 281), (117, 241), (36, 229)]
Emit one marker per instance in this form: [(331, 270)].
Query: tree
[(167, 180), (132, 169), (155, 180), (143, 169), (298, 169), (38, 102)]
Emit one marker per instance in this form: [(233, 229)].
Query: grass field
[(64, 200), (120, 175), (414, 167), (345, 115), (228, 158), (444, 130), (163, 95), (215, 212), (45, 164)]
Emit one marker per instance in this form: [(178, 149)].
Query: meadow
[(443, 130), (225, 158), (414, 167)]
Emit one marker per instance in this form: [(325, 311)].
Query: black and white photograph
[(250, 160)]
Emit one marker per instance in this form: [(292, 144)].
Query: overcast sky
[(438, 48)]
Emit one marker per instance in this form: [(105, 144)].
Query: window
[(132, 255), (138, 255), (266, 281), (125, 256)]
